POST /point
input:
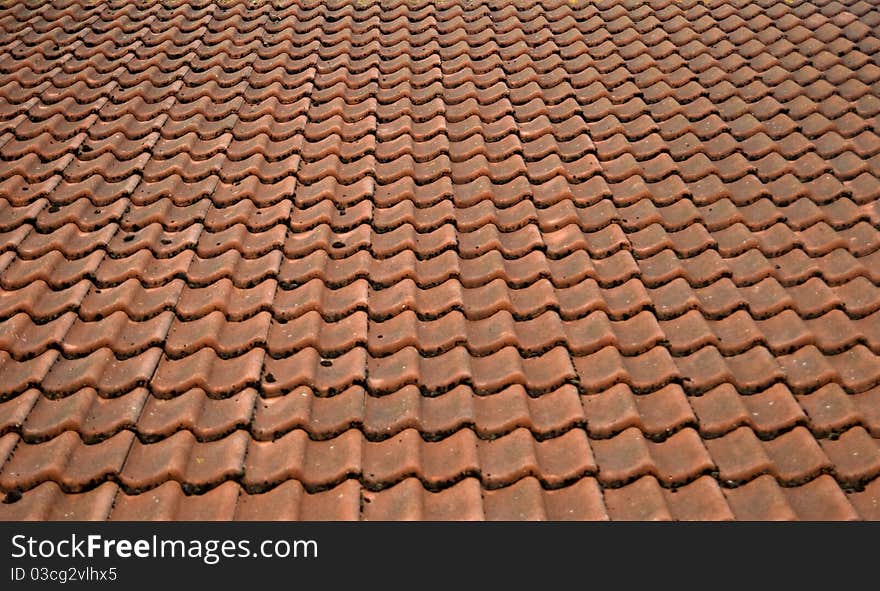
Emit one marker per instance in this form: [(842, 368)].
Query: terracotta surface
[(443, 260)]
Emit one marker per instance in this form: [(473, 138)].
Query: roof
[(453, 260)]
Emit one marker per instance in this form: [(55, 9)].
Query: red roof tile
[(440, 260)]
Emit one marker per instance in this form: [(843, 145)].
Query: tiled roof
[(322, 260)]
